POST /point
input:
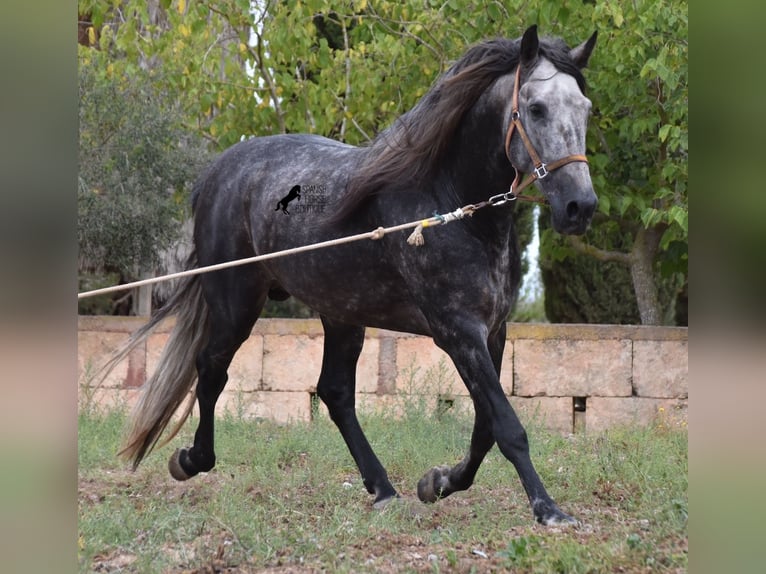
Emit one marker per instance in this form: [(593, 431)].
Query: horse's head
[(552, 112)]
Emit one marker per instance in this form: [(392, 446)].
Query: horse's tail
[(175, 375)]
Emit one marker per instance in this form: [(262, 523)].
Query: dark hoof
[(551, 515), (433, 484), (175, 467)]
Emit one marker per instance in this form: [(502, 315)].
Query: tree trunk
[(641, 259)]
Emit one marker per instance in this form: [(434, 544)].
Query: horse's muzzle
[(572, 216)]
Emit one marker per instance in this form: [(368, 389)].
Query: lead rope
[(416, 239)]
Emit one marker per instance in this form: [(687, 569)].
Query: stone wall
[(567, 377)]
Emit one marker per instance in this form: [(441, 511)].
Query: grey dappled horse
[(462, 143)]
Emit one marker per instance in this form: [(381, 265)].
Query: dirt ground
[(386, 554)]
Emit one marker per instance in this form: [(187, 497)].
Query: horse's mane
[(411, 149)]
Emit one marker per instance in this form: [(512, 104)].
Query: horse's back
[(270, 193), (262, 170)]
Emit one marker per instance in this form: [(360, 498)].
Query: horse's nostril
[(573, 210)]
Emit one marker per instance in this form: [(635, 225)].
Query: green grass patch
[(290, 497)]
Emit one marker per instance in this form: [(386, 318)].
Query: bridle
[(541, 169)]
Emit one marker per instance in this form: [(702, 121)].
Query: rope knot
[(378, 234)]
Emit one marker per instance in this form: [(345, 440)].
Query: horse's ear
[(529, 46), (581, 53)]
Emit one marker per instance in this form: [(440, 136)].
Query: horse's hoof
[(175, 468), (561, 519), (433, 484), (551, 515)]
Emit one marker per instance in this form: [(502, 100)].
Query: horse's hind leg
[(336, 387), (235, 303), (441, 481)]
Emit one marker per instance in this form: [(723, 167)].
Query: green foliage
[(238, 69), (233, 69), (291, 308), (637, 147), (136, 169), (100, 304), (640, 131), (520, 548), (529, 311), (581, 289)]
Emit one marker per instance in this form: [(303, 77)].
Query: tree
[(583, 289), (136, 169), (638, 144), (238, 68)]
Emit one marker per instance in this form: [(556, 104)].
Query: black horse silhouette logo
[(295, 193)]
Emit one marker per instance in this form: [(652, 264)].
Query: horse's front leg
[(442, 481), (495, 418)]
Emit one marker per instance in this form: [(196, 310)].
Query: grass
[(289, 499)]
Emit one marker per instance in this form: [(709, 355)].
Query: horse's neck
[(491, 225), (478, 172)]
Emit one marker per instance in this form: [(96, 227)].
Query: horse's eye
[(537, 111)]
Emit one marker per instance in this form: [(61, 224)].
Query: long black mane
[(411, 150)]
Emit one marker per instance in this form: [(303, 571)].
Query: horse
[(491, 116)]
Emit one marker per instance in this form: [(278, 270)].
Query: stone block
[(136, 375), (661, 369), (552, 413), (627, 373), (155, 343), (387, 370), (233, 403), (277, 406), (388, 405), (506, 368), (93, 349), (367, 367), (291, 362), (603, 413), (282, 407), (246, 369), (425, 368), (395, 405), (566, 368)]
